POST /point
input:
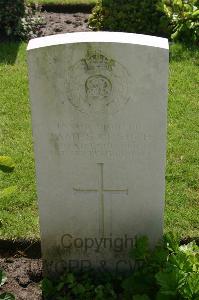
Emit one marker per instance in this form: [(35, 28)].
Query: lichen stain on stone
[(76, 139), (54, 141)]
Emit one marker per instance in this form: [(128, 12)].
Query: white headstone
[(99, 103)]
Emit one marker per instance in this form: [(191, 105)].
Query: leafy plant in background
[(168, 272), (29, 26), (19, 20), (183, 19), (3, 279), (88, 286), (175, 19), (96, 18), (129, 16), (11, 13), (7, 165)]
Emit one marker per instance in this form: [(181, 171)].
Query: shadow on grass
[(28, 248), (182, 52), (8, 52)]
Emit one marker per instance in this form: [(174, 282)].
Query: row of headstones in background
[(99, 103)]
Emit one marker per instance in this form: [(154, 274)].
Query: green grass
[(182, 194), (19, 214), (19, 211), (62, 1)]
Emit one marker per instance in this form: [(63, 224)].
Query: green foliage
[(18, 20), (141, 249), (29, 26), (176, 19), (129, 16), (96, 19), (82, 286), (141, 297), (63, 2), (167, 272), (7, 296), (3, 279), (183, 19), (11, 13)]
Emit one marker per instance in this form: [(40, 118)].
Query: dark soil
[(24, 277), (21, 260), (55, 23)]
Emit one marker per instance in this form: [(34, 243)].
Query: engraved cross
[(101, 190)]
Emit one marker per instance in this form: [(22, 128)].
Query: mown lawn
[(19, 214), (182, 176), (19, 211)]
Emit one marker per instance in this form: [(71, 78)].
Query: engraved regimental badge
[(97, 84)]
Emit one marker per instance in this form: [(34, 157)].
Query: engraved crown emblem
[(96, 60)]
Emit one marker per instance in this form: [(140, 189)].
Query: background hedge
[(140, 16), (175, 19), (11, 12)]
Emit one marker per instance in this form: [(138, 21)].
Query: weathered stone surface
[(99, 103)]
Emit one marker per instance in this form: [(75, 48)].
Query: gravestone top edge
[(98, 37)]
